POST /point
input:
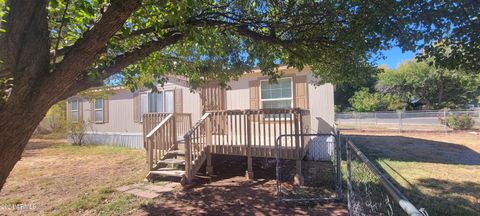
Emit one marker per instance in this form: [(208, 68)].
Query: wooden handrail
[(194, 156), (158, 126), (163, 129), (189, 133)]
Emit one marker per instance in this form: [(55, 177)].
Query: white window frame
[(148, 101), (276, 99), (75, 110), (95, 109)]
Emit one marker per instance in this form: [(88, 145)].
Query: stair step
[(177, 152), (174, 173), (172, 161)]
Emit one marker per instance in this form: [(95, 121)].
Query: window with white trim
[(98, 110), (276, 95), (74, 110), (162, 101)]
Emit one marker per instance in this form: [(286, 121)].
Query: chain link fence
[(315, 178), (370, 192), (429, 120)]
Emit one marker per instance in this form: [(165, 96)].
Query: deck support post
[(249, 172), (298, 178), (149, 154), (208, 149), (209, 167), (174, 132)]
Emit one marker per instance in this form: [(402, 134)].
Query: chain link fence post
[(445, 120), (349, 178), (338, 167), (399, 112)]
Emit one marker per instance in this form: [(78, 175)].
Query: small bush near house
[(460, 122), (77, 132)]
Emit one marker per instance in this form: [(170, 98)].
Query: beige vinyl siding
[(239, 94), (321, 106), (120, 115)]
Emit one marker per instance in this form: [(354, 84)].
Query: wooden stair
[(168, 172), (172, 165)]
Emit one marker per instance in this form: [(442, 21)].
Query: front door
[(213, 98)]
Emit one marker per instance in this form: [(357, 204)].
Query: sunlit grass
[(430, 180)]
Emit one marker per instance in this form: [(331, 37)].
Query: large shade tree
[(435, 88), (53, 49)]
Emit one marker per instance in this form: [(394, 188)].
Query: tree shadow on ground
[(230, 193), (34, 145), (234, 196), (446, 197), (409, 149), (438, 196)]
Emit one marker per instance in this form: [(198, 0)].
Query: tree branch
[(57, 43), (124, 60), (60, 52), (141, 52), (241, 29), (84, 52)]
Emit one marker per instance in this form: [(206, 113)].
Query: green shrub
[(460, 122), (365, 101)]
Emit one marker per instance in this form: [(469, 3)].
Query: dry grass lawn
[(437, 171), (54, 178), (52, 174)]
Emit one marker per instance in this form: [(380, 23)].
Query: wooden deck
[(250, 133)]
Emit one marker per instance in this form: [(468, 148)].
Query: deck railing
[(250, 133), (150, 121), (196, 142), (183, 123), (161, 132)]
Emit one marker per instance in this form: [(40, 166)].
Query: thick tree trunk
[(25, 55), (18, 124)]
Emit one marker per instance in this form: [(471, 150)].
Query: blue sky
[(395, 56)]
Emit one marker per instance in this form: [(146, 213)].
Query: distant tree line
[(413, 85)]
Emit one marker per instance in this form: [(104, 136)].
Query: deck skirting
[(129, 140)]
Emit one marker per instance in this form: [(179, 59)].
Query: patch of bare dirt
[(235, 196), (230, 193)]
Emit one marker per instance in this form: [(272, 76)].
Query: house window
[(74, 110), (157, 102), (276, 95), (98, 110)]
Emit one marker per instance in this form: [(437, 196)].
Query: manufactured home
[(246, 119)]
